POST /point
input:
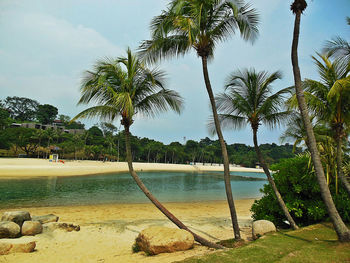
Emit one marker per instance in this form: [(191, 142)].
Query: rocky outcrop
[(31, 228), (45, 218), (156, 240), (261, 227), (9, 229), (16, 247), (16, 216), (63, 226)]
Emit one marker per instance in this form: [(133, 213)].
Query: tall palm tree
[(124, 88), (298, 7), (329, 99), (200, 25), (248, 99)]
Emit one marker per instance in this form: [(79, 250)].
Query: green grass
[(316, 243)]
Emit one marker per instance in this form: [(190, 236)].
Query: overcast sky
[(46, 45)]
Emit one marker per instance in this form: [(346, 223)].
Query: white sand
[(21, 167), (108, 231)]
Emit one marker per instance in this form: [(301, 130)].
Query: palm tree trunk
[(272, 182), (227, 180), (339, 226), (149, 195), (340, 172)]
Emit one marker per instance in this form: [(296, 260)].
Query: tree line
[(104, 141)]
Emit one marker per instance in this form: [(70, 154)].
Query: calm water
[(120, 188)]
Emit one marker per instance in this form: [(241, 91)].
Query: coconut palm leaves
[(123, 88), (198, 24), (248, 99), (329, 99)]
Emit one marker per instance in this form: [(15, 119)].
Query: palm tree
[(297, 7), (248, 99), (338, 47), (200, 25), (124, 88), (329, 99)]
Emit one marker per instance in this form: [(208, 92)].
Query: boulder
[(155, 240), (63, 226), (31, 228), (9, 229), (45, 218), (17, 247), (16, 216), (261, 227)]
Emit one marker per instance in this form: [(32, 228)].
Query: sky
[(45, 46)]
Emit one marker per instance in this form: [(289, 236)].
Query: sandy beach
[(108, 231), (23, 167)]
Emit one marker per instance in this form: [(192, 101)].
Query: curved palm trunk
[(340, 172), (272, 182), (339, 226), (227, 180), (149, 195)]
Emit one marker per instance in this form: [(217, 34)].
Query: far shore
[(32, 167)]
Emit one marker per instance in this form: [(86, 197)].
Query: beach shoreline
[(32, 167), (108, 231)]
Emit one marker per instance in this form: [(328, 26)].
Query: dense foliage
[(298, 185)]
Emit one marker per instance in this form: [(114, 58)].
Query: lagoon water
[(120, 188)]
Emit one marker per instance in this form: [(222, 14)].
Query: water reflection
[(120, 188)]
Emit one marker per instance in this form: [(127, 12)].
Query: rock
[(16, 216), (45, 218), (64, 226), (155, 240), (261, 227), (31, 228), (9, 247), (9, 229)]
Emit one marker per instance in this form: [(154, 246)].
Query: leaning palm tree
[(248, 99), (123, 88), (200, 25), (298, 7)]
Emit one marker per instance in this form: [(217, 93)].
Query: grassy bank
[(316, 243)]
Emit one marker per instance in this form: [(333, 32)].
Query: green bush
[(300, 191)]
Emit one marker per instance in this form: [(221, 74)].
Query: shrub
[(300, 191)]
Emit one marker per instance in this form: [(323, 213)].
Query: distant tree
[(21, 108), (95, 136), (64, 118), (26, 139), (46, 113), (5, 119), (108, 128)]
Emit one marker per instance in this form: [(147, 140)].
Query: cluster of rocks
[(15, 224), (20, 223)]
